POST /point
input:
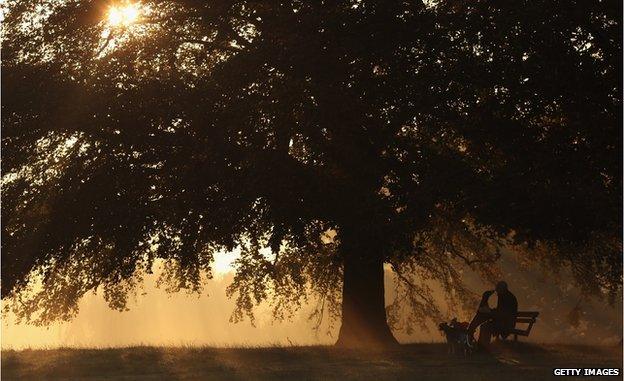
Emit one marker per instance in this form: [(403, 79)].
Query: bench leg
[(516, 338)]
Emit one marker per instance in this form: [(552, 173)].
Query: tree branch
[(471, 262), (208, 44)]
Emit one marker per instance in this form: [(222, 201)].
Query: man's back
[(506, 310)]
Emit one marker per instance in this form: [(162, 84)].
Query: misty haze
[(158, 318)]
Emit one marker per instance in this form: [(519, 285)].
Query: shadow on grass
[(145, 363), (508, 362)]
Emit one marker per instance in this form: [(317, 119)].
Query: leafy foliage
[(444, 129)]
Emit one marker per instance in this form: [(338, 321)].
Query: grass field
[(410, 362)]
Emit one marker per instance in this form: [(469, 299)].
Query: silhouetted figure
[(497, 321)]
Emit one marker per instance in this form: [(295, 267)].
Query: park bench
[(524, 317)]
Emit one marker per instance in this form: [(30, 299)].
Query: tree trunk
[(364, 322)]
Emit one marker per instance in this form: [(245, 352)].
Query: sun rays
[(123, 15)]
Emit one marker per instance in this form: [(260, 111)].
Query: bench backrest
[(527, 314)]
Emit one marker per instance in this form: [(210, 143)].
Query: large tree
[(342, 135)]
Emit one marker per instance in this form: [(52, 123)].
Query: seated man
[(498, 321)]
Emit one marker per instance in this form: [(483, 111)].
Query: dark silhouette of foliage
[(426, 135)]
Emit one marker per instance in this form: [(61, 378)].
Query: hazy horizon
[(181, 319)]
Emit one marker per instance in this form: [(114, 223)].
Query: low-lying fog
[(158, 318)]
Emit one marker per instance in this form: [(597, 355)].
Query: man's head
[(501, 287)]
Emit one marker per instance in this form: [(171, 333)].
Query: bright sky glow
[(224, 262), (123, 15)]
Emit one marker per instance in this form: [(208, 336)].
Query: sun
[(123, 15)]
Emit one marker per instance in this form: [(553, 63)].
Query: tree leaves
[(214, 124)]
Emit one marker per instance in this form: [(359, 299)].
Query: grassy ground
[(410, 362)]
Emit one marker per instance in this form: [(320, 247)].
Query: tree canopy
[(436, 131)]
